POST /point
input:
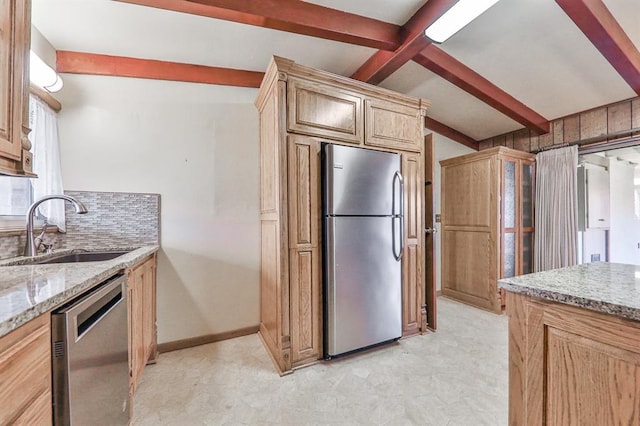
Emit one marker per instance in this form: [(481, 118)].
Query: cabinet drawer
[(321, 110), (391, 125), (25, 370)]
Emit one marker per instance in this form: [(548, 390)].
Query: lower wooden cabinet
[(25, 374), (142, 317), (571, 366)]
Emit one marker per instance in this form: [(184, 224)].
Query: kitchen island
[(574, 345)]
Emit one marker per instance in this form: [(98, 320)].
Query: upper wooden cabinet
[(487, 223), (15, 37), (392, 125), (301, 108), (322, 110)]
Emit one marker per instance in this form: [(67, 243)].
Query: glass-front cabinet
[(487, 223), (517, 216)]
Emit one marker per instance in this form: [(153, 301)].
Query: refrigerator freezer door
[(359, 182), (364, 290)]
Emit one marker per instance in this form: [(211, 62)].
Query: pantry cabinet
[(487, 223), (15, 37), (141, 297), (300, 108), (25, 374)]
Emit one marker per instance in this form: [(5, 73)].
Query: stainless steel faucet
[(30, 248)]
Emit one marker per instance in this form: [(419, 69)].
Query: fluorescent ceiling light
[(456, 18), (43, 75)]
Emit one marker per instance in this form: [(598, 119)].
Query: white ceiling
[(529, 48)]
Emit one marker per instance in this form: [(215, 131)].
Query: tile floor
[(457, 376)]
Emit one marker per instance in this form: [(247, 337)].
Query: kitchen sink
[(94, 256)]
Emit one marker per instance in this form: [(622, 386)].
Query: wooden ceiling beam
[(292, 16), (119, 66), (384, 63), (439, 62), (603, 30), (450, 133)]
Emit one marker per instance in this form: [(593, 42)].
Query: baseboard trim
[(203, 340), (438, 293)]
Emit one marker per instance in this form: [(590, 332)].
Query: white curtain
[(46, 160), (556, 235)]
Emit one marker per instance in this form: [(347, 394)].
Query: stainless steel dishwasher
[(90, 357)]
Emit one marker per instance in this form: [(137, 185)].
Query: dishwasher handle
[(89, 310)]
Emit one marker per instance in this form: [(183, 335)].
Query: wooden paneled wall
[(599, 121)]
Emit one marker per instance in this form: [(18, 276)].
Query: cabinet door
[(25, 373), (527, 203), (136, 345), (149, 310), (510, 219), (11, 63), (322, 110), (571, 366), (470, 232), (391, 125), (412, 258), (15, 36), (142, 317), (304, 243)]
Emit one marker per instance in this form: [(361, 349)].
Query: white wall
[(444, 148), (197, 146), (624, 235)]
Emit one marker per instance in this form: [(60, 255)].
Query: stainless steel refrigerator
[(363, 234)]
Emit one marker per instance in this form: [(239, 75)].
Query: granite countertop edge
[(606, 287), (572, 300), (94, 273)]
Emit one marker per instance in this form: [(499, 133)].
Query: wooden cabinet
[(25, 374), (571, 366), (324, 110), (141, 296), (15, 36), (392, 125), (301, 108), (305, 260), (413, 288), (487, 223)]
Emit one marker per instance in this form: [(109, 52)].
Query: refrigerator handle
[(398, 176)]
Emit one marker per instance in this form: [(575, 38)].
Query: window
[(17, 194)]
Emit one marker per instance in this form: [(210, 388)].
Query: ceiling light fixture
[(454, 19), (43, 75)]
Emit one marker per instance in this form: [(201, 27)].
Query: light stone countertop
[(611, 288), (27, 291)]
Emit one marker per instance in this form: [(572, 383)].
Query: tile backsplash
[(114, 220)]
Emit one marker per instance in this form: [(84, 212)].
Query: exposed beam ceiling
[(384, 63), (292, 16), (599, 25), (397, 44), (449, 68), (89, 63), (450, 133)]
